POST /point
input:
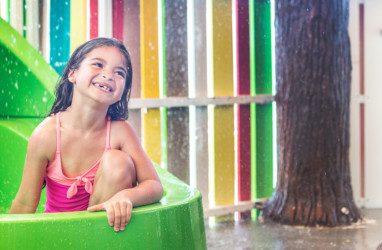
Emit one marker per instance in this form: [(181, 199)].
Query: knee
[(117, 166)]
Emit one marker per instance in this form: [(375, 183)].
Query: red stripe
[(243, 48), (93, 18), (118, 19), (243, 88), (362, 92), (244, 153)]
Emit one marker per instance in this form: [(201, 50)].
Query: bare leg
[(116, 172)]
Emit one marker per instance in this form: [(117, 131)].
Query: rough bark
[(313, 74)]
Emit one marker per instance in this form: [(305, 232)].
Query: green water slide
[(26, 93)]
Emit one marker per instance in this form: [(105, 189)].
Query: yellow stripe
[(149, 49), (152, 134), (224, 153), (222, 47), (151, 120), (77, 24)]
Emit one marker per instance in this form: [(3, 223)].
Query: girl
[(84, 151)]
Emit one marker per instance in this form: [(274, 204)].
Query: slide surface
[(26, 94)]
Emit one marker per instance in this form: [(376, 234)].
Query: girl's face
[(101, 75)]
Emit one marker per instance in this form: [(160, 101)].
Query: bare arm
[(28, 196), (148, 190)]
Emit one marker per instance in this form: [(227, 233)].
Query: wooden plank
[(151, 118), (118, 19), (200, 149), (105, 18), (93, 27), (362, 93), (131, 39), (355, 102), (59, 34), (17, 15), (243, 206), (4, 10), (223, 117), (78, 28), (137, 103), (44, 30), (372, 96), (197, 65), (33, 23), (177, 85)]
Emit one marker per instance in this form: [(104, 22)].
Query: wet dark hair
[(64, 88)]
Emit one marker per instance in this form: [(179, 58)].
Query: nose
[(107, 74)]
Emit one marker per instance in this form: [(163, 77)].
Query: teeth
[(101, 86)]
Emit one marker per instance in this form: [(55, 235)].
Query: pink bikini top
[(54, 169)]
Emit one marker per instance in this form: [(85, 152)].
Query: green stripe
[(264, 132), (9, 11)]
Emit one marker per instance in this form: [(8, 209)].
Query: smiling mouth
[(98, 85)]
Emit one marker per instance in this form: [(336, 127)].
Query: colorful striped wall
[(202, 85)]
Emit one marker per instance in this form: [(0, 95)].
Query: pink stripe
[(93, 19), (58, 134), (243, 88), (118, 19), (108, 134)]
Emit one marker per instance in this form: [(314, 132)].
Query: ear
[(72, 76)]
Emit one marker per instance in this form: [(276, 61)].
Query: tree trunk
[(313, 72)]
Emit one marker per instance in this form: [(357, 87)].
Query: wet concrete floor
[(247, 234)]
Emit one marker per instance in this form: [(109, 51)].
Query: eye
[(98, 64), (121, 73)]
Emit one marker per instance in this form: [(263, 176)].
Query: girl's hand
[(118, 212)]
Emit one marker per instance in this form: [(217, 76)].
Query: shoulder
[(122, 128), (43, 139), (123, 132)]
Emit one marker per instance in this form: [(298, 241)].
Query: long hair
[(64, 88)]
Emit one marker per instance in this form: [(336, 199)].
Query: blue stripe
[(59, 34)]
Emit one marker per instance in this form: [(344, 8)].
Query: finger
[(98, 207), (117, 216), (129, 211), (123, 215), (110, 215)]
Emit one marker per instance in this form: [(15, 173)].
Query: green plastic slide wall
[(26, 93)]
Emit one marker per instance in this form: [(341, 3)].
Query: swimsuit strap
[(58, 132), (108, 134)]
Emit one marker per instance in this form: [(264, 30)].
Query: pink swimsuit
[(66, 194)]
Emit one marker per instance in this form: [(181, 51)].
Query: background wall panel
[(223, 116), (78, 24), (197, 71), (131, 39), (59, 34), (151, 118), (177, 86)]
